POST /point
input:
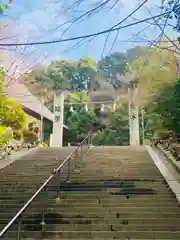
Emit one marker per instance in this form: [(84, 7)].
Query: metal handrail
[(43, 186)]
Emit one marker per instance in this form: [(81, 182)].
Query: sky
[(44, 20)]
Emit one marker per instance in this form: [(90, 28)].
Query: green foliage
[(154, 72), (63, 75), (29, 136), (167, 109), (11, 114), (44, 144), (12, 117), (60, 73), (174, 7), (80, 123), (117, 132), (6, 135), (4, 6), (17, 134), (112, 66), (133, 54), (86, 77)]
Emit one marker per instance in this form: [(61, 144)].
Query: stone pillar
[(133, 115), (57, 135)]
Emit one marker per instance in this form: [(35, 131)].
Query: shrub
[(17, 135), (11, 114), (31, 125), (36, 130), (44, 144), (29, 136), (6, 135)]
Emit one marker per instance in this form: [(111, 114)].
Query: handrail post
[(69, 170), (89, 140), (76, 159), (81, 153), (45, 196), (58, 184), (19, 228)]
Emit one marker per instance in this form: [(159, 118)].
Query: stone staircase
[(20, 180), (118, 194)]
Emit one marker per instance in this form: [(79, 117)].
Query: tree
[(11, 114), (82, 119), (117, 132), (6, 135), (86, 77), (80, 122), (37, 81), (4, 6), (154, 73), (166, 107), (133, 54), (60, 74), (111, 67), (174, 7)]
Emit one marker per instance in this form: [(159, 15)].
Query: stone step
[(61, 204), (83, 172), (120, 200), (82, 214), (97, 234), (94, 238), (99, 220), (99, 209), (108, 201), (106, 184), (130, 166), (96, 194), (97, 227), (125, 177), (76, 196), (113, 191)]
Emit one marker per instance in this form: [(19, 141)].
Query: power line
[(128, 16), (112, 29)]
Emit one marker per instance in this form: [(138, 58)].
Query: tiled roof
[(20, 92)]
